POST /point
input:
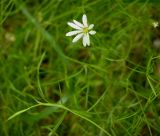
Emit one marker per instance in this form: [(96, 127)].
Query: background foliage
[(51, 86)]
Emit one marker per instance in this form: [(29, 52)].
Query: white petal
[(73, 32), (78, 23), (91, 26), (84, 20), (79, 36), (86, 40), (92, 32), (73, 25)]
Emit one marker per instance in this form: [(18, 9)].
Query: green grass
[(50, 86)]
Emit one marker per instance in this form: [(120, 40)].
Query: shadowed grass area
[(50, 86)]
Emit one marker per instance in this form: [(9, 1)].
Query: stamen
[(85, 30)]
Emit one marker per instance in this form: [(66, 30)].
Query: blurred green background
[(50, 86)]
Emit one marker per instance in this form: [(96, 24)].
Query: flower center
[(85, 30)]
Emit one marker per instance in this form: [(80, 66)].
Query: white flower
[(155, 24), (82, 31)]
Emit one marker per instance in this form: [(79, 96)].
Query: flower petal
[(86, 40), (92, 32), (78, 23), (73, 32), (79, 36), (91, 26), (74, 25), (84, 20)]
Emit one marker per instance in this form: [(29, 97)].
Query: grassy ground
[(50, 86)]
